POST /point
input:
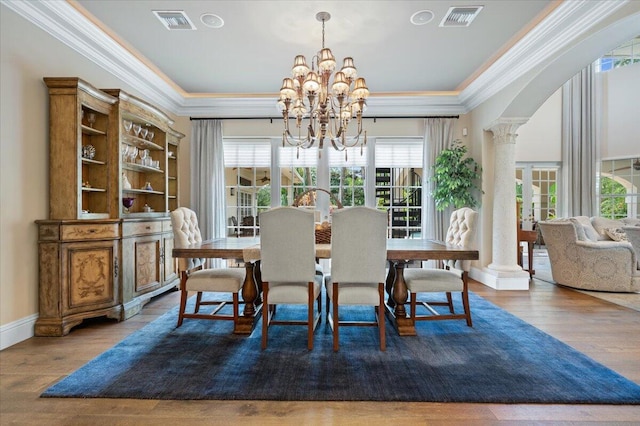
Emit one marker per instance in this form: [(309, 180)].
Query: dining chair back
[(453, 278), (358, 257), (194, 276), (288, 268)]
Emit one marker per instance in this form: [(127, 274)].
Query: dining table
[(400, 253)]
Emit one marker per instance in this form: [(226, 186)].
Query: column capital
[(504, 129)]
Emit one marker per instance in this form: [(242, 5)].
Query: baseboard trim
[(17, 331), (501, 281)]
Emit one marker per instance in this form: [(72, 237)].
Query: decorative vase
[(125, 181)]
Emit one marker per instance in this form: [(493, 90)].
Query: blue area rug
[(500, 360)]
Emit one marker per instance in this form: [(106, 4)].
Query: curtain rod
[(364, 118)]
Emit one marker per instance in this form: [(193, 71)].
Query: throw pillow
[(589, 230), (579, 229), (601, 224), (616, 234)]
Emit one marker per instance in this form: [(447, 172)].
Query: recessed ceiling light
[(421, 17), (211, 20)]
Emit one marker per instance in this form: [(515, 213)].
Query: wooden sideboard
[(97, 258)]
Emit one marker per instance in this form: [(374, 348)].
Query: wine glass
[(150, 135), (133, 153), (127, 125), (91, 119), (143, 132), (127, 203), (136, 129), (144, 155), (124, 151)]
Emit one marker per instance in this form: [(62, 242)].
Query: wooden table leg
[(398, 314), (250, 316), (530, 256)]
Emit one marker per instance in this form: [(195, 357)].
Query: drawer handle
[(148, 228), (93, 231)]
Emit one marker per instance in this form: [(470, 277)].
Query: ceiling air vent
[(460, 16), (174, 19)]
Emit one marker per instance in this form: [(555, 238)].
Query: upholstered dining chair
[(358, 257), (454, 278), (195, 277), (288, 268)]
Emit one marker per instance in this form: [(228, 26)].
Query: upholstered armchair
[(358, 257), (633, 236), (454, 278), (195, 277), (580, 262), (288, 268)]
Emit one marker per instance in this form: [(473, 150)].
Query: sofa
[(592, 253)]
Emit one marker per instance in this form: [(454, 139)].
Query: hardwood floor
[(606, 332)]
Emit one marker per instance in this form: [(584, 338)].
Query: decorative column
[(504, 272)]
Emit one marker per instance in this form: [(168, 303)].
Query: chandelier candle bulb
[(329, 104)]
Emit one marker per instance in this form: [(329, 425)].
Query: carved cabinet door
[(90, 270)]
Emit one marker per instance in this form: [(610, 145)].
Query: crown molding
[(563, 25), (65, 23)]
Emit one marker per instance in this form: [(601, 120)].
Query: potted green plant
[(455, 177)]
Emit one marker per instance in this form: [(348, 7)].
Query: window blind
[(247, 153), (399, 153)]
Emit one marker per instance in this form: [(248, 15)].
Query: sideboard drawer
[(166, 226), (92, 231), (141, 228)]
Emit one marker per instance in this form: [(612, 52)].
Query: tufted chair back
[(186, 232), (462, 233)]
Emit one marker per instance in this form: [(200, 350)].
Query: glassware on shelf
[(88, 151), (150, 135), (91, 119), (127, 203), (127, 124), (137, 129), (133, 153), (143, 132), (124, 151), (144, 157)]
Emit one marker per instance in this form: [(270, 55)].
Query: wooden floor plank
[(606, 332)]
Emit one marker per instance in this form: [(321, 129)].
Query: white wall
[(539, 139), (621, 122)]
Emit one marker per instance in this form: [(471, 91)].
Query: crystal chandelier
[(328, 107)]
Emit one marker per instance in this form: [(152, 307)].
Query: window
[(298, 172), (626, 54), (347, 175), (619, 188), (537, 189), (398, 185), (247, 177)]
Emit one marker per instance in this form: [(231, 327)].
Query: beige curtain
[(580, 123), (438, 136), (207, 177)]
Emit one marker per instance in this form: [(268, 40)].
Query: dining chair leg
[(335, 318), (381, 319), (183, 297), (412, 305), (450, 302), (465, 298), (198, 301), (310, 316), (265, 314)]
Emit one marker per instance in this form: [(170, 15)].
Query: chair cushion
[(221, 280), (355, 293), (433, 280), (293, 293)]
